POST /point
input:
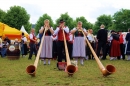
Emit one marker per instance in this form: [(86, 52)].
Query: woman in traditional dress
[(115, 46), (46, 52), (127, 51), (79, 43)]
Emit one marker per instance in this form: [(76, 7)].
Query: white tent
[(23, 30)]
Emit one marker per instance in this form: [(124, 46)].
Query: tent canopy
[(11, 33), (23, 30), (1, 28)]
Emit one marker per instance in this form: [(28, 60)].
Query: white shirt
[(24, 39), (91, 37), (31, 36), (54, 38), (83, 29), (70, 37), (66, 29)]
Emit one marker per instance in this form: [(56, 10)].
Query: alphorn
[(31, 69), (70, 69), (105, 71)]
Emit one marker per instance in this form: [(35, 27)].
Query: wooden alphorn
[(105, 71), (70, 69), (31, 69)]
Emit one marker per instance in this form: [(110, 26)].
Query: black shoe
[(29, 59), (103, 59)]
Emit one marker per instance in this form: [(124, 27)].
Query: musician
[(32, 44), (60, 42), (46, 52), (91, 39), (102, 40), (79, 43), (115, 46)]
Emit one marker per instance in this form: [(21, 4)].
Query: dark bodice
[(78, 34), (48, 32), (115, 36)]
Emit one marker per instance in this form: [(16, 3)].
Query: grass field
[(13, 73)]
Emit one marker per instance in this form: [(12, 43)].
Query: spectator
[(4, 48), (115, 46), (8, 40), (127, 52), (102, 40), (23, 45)]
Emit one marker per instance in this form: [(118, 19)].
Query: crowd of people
[(116, 45)]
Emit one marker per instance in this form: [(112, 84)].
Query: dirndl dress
[(79, 45)]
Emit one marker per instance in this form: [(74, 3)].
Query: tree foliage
[(40, 22), (16, 17), (121, 20), (103, 19), (2, 15), (86, 24), (68, 20)]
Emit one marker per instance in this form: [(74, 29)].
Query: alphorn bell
[(105, 71), (31, 69), (70, 69)]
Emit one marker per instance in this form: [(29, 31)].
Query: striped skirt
[(46, 51), (79, 47)]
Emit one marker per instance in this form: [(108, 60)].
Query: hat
[(61, 21)]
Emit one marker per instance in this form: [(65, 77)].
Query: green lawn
[(13, 73)]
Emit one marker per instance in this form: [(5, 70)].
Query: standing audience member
[(121, 39), (127, 52), (102, 40), (115, 46), (70, 45), (4, 48), (0, 45), (91, 39), (54, 53), (8, 40), (32, 44), (23, 45)]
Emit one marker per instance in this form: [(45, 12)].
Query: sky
[(90, 9)]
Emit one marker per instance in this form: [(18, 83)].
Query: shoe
[(29, 59)]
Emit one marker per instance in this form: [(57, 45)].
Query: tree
[(40, 22), (103, 19), (2, 15), (16, 17), (68, 21), (86, 24), (121, 19)]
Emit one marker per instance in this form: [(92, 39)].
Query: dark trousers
[(88, 51), (61, 50), (122, 49), (25, 49), (70, 47), (101, 45), (32, 49), (55, 49)]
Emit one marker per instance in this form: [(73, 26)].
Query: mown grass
[(13, 73)]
